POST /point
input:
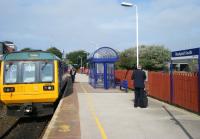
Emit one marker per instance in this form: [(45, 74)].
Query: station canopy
[(104, 54)]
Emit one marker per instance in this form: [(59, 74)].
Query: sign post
[(199, 82)]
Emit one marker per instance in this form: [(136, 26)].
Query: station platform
[(90, 113)]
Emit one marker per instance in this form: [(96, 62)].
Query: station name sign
[(188, 52)]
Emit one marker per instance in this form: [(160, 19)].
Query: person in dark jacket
[(73, 73), (139, 77)]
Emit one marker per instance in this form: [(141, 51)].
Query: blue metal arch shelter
[(102, 67)]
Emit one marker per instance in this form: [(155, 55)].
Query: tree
[(26, 49), (127, 59), (55, 51), (152, 57), (76, 56)]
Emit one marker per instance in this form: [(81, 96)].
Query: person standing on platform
[(139, 77), (73, 74)]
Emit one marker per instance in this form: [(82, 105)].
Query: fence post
[(171, 83)]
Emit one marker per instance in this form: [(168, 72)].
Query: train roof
[(30, 55)]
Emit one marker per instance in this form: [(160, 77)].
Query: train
[(31, 83)]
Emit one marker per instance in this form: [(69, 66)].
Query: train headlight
[(9, 89), (48, 88)]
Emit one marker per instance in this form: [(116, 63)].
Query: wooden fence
[(184, 89), (124, 75), (159, 85)]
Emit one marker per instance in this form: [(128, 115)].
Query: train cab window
[(10, 73), (46, 72), (29, 70)]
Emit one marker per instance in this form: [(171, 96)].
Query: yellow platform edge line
[(92, 111)]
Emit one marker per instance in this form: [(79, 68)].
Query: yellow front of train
[(30, 84)]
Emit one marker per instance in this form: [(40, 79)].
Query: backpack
[(144, 101)]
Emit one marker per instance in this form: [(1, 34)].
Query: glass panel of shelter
[(92, 74), (110, 75), (100, 79), (105, 53), (99, 74)]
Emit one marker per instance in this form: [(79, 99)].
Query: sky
[(72, 25)]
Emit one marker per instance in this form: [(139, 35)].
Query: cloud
[(116, 26), (73, 25), (172, 23)]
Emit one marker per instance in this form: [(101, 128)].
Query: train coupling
[(28, 108)]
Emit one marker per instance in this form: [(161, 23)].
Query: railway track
[(6, 122), (26, 128), (23, 128), (8, 129)]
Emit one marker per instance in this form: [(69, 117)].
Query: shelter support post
[(105, 76), (95, 75)]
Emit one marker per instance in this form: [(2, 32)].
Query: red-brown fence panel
[(120, 75), (186, 90), (128, 78), (159, 85), (124, 75), (185, 87), (86, 71)]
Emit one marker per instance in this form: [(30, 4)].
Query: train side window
[(10, 73), (29, 72), (46, 72)]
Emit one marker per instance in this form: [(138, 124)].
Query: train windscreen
[(46, 72), (11, 73), (28, 72)]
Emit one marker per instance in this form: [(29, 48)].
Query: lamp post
[(126, 4)]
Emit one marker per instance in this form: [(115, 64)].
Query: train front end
[(30, 84)]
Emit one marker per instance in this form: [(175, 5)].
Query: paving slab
[(111, 115), (65, 122)]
